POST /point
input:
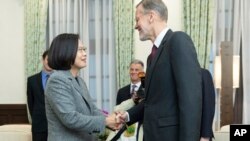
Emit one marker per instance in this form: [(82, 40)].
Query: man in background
[(35, 94), (127, 96), (126, 92)]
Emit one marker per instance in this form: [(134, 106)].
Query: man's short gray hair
[(155, 5), (137, 61)]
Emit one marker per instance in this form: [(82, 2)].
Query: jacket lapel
[(77, 86), (40, 82), (82, 90)]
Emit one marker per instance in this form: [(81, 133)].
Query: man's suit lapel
[(40, 82), (127, 95), (151, 66)]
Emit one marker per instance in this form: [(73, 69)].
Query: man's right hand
[(122, 117)]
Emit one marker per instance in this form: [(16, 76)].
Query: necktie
[(133, 89), (153, 52)]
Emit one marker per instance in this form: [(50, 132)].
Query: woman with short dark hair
[(71, 114)]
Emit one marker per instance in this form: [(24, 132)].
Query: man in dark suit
[(172, 107), (35, 95), (208, 106), (125, 93)]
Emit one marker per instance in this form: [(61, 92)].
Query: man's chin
[(143, 38), (134, 80)]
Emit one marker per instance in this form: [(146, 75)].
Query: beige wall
[(12, 83), (142, 49)]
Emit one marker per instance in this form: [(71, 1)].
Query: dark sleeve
[(187, 75), (136, 113), (30, 98), (118, 97), (208, 104), (123, 94)]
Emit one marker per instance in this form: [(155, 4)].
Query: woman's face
[(81, 56)]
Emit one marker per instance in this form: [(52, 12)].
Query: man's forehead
[(135, 65)]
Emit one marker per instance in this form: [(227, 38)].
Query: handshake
[(116, 120)]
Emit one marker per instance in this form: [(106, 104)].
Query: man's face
[(45, 64), (142, 23), (133, 71)]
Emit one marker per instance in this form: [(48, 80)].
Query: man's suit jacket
[(71, 114), (124, 94), (35, 98), (172, 107), (208, 104)]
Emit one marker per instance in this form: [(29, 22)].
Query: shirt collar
[(137, 84), (44, 73), (160, 37)]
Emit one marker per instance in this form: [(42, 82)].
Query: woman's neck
[(74, 71)]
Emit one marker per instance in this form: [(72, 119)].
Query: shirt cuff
[(127, 119)]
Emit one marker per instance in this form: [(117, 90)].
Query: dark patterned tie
[(153, 52), (133, 89), (152, 55)]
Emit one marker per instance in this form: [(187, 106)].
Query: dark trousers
[(39, 136)]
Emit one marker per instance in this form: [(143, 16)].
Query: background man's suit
[(123, 94), (172, 107), (208, 104), (36, 104)]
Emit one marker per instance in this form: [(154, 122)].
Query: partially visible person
[(35, 97), (208, 106), (172, 108), (126, 92), (71, 113)]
